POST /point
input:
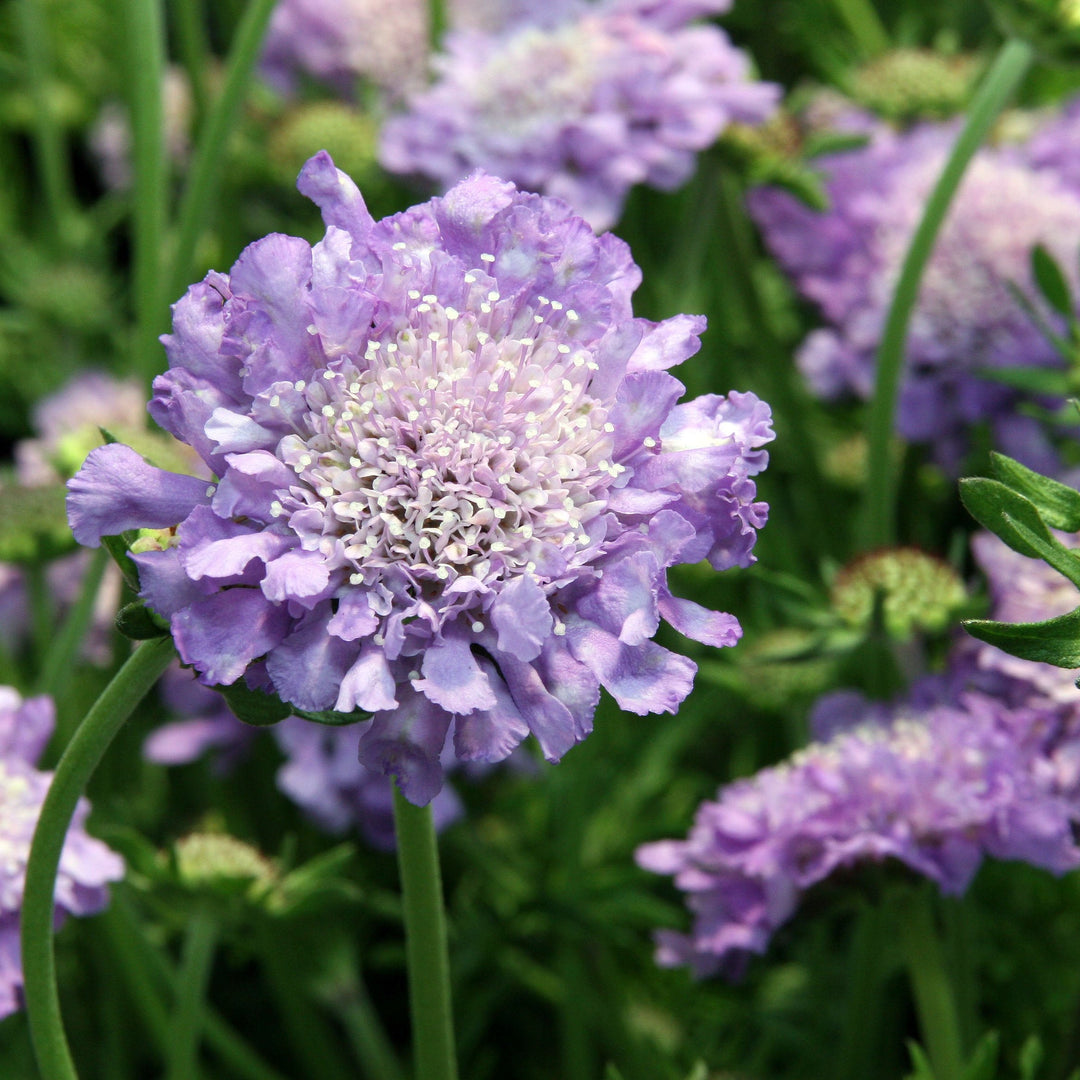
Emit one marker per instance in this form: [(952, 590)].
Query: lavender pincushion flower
[(936, 787), (453, 475), (86, 864), (339, 42), (847, 260), (582, 102)]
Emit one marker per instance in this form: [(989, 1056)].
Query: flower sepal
[(137, 622), (261, 708)]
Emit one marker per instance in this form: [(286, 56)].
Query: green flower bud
[(911, 84)]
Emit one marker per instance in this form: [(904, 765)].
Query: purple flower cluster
[(341, 42), (936, 786), (847, 260), (582, 103), (452, 476), (86, 864)]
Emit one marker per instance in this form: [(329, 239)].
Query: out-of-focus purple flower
[(936, 787), (86, 864), (453, 475), (847, 260), (582, 103), (111, 139), (342, 42), (322, 773)]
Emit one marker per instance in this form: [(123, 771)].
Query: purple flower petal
[(116, 490)]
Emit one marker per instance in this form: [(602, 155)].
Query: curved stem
[(996, 89), (210, 151), (89, 743), (187, 1019), (425, 942)]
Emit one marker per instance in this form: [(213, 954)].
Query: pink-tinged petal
[(490, 734), (116, 490), (369, 684), (551, 722), (354, 618), (297, 575), (452, 678), (716, 628), (223, 633), (668, 343), (308, 666), (521, 614), (336, 196), (405, 743), (641, 678), (624, 599)]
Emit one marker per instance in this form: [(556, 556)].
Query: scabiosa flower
[(341, 42), (936, 787), (86, 864), (847, 260), (583, 102), (453, 475)]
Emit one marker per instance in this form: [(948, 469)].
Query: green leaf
[(1051, 280), (118, 547), (1031, 1057), (1053, 382), (984, 1061), (1057, 503), (1055, 641), (254, 707), (1016, 520), (923, 1070), (998, 508), (138, 622), (330, 717)]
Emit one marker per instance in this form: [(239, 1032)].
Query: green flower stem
[(1009, 68), (189, 22), (209, 153), (64, 646), (425, 942), (865, 25), (187, 1022), (934, 1001), (146, 73), (48, 138), (436, 23), (89, 743)]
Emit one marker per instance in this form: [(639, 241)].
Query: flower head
[(452, 475), (582, 103), (935, 786), (86, 865), (340, 42), (847, 260)]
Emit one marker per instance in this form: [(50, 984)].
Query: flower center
[(465, 443)]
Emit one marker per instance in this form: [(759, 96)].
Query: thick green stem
[(188, 1014), (209, 154), (425, 942), (932, 990), (116, 703), (995, 91), (146, 74), (436, 23), (189, 22)]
